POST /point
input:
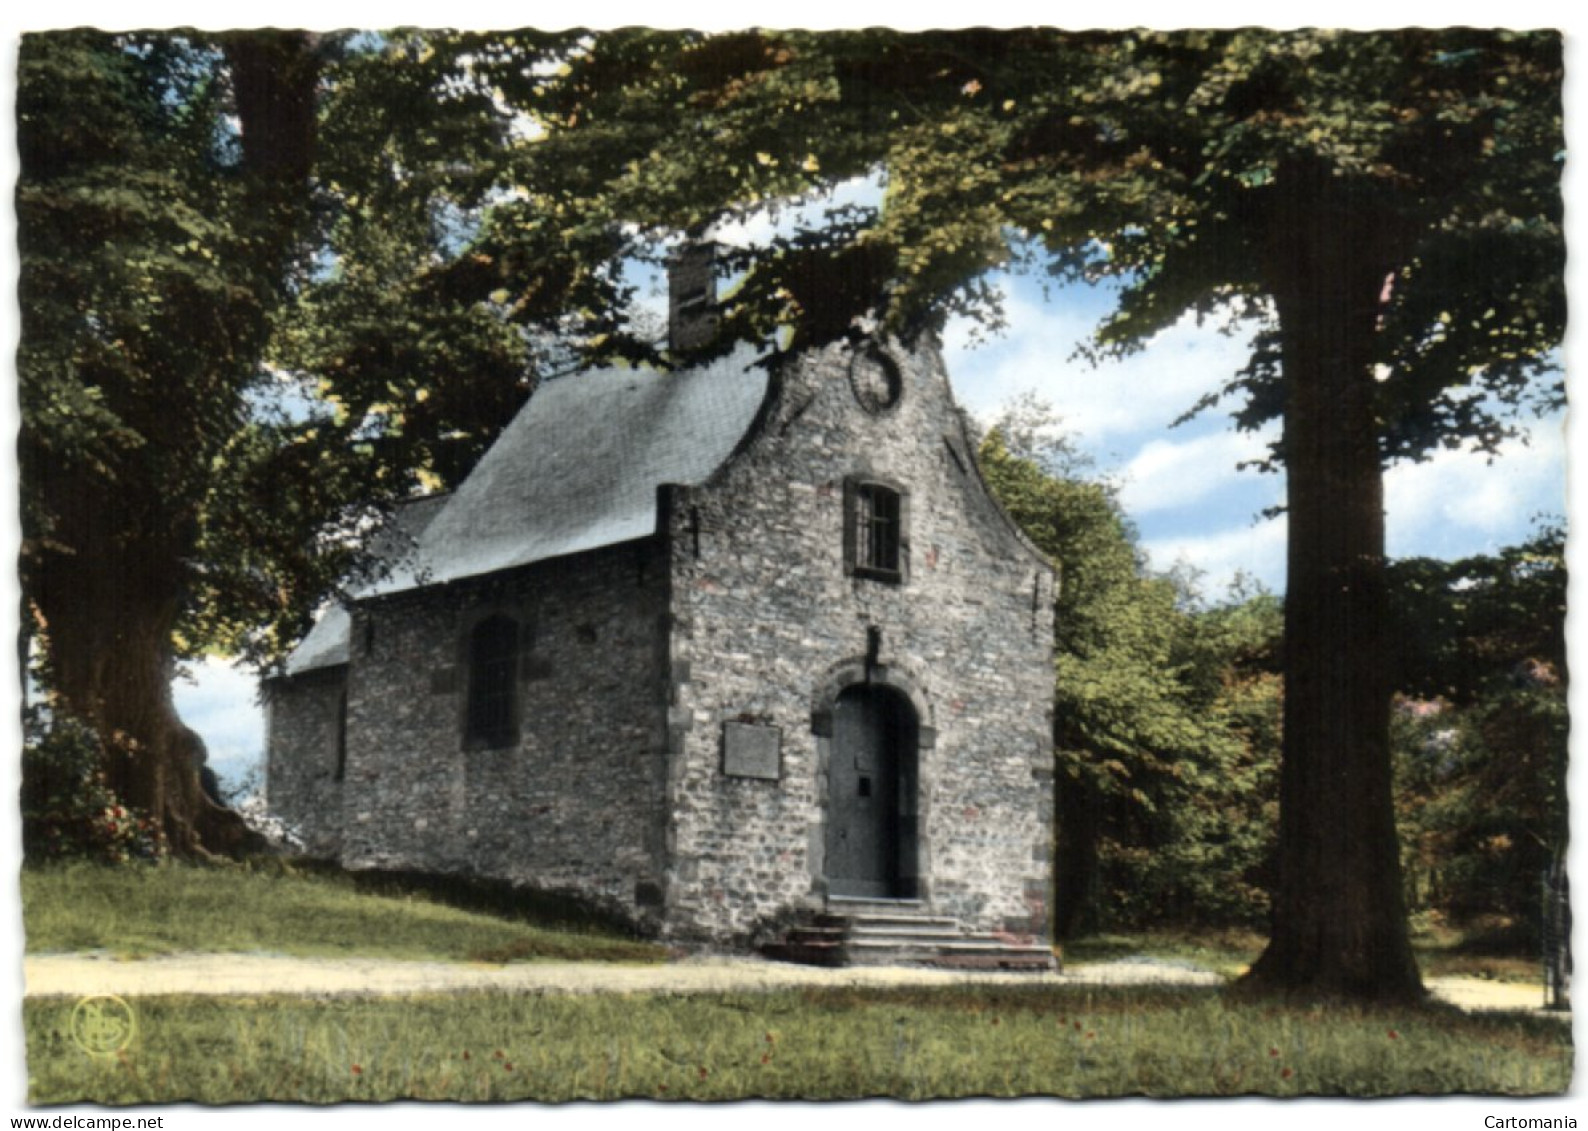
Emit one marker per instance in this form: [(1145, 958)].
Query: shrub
[(68, 809)]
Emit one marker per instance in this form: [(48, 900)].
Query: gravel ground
[(73, 975)]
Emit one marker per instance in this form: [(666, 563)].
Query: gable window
[(875, 530), (493, 680)]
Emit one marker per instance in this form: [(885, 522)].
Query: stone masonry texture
[(767, 626), (633, 659)]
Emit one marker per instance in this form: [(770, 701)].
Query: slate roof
[(325, 644), (576, 470)]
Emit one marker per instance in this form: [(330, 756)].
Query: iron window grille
[(875, 541)]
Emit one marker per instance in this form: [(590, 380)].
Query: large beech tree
[(1382, 209), (153, 247), (190, 208)]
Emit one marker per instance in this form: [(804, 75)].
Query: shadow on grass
[(557, 911)]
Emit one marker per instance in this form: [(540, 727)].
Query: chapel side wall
[(574, 804), (303, 723), (766, 616)]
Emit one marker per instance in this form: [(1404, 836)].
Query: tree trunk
[(107, 559), (1339, 922), (108, 612)]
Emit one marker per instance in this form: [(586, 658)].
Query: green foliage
[(444, 287), (155, 234), (1166, 716), (820, 1043), (1463, 626), (1480, 734), (255, 315), (1159, 158), (68, 811), (386, 378), (472, 200), (1169, 724), (138, 290), (1229, 812)]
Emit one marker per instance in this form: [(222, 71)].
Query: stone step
[(833, 930), (949, 932), (1033, 963), (888, 922), (807, 954), (934, 944), (855, 932), (869, 905), (977, 956), (965, 944)]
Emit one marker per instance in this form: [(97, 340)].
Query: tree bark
[(108, 606), (1339, 922), (106, 567)]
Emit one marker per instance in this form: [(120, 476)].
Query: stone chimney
[(692, 296)]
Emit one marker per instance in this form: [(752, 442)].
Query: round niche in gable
[(874, 377)]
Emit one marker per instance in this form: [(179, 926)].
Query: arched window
[(341, 737), (493, 680)]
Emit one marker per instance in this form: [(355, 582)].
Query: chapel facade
[(719, 649)]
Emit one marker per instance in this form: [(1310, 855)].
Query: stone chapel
[(743, 652)]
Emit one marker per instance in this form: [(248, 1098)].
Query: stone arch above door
[(850, 672)]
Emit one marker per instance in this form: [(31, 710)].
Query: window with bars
[(493, 677), (875, 542)]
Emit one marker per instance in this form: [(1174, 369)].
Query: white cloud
[(1458, 502), (761, 225), (1256, 549), (1166, 474), (1106, 404), (220, 701), (1452, 505)]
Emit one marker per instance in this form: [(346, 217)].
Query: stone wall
[(769, 627), (635, 660), (574, 803), (303, 720)]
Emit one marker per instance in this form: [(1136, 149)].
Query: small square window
[(875, 534)]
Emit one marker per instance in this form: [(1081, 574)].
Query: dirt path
[(73, 975), (53, 975)]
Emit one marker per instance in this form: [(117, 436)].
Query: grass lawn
[(141, 911), (913, 1043)]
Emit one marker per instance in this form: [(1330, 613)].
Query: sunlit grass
[(1227, 952), (830, 1043), (141, 910)]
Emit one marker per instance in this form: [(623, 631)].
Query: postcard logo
[(102, 1025)]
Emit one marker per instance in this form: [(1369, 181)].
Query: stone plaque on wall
[(751, 751)]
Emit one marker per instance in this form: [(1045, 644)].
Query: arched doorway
[(871, 794)]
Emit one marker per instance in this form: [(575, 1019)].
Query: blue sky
[(1179, 485)]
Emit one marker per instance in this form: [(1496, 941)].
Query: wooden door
[(869, 774)]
